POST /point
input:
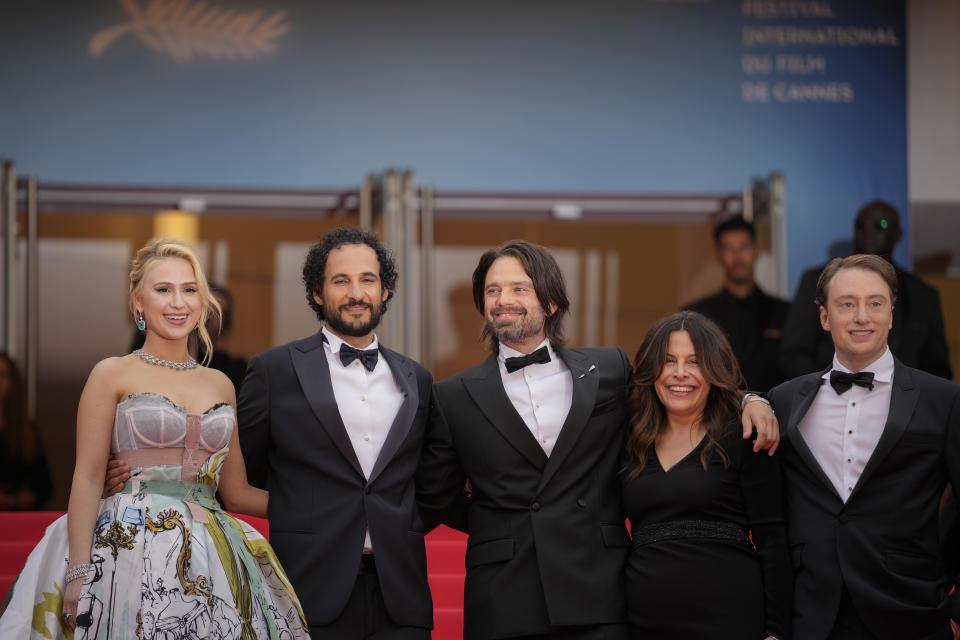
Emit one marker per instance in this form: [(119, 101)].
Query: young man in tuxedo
[(917, 338), (334, 424), (538, 429), (868, 447)]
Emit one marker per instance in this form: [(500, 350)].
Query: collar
[(507, 352), (882, 367), (333, 341)]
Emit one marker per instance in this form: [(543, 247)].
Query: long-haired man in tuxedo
[(538, 429)]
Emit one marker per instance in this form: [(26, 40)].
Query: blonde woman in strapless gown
[(160, 559)]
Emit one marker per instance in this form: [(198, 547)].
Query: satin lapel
[(903, 401), (406, 379), (313, 371), (488, 394), (586, 380), (802, 403)]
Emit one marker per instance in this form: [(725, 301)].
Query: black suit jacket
[(917, 337), (754, 326), (882, 543), (320, 503), (547, 535)]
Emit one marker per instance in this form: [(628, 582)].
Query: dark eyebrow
[(346, 275)]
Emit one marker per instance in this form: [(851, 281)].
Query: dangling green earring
[(141, 323)]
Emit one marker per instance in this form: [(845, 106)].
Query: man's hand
[(117, 473), (758, 415), (956, 630)]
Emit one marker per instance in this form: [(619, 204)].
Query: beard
[(527, 325), (355, 328)]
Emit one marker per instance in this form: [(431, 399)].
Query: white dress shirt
[(541, 394), (842, 430), (368, 402)]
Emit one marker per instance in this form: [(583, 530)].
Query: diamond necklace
[(191, 363)]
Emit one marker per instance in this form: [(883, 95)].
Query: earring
[(141, 323)]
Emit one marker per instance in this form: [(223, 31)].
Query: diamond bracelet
[(77, 572)]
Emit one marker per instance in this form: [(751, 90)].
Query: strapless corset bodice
[(153, 421)]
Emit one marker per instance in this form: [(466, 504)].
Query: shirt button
[(848, 459), (356, 363), (853, 403), (363, 398), (850, 432), (366, 438)]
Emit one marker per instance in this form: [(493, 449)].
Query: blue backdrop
[(644, 95)]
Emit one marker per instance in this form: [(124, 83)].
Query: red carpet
[(20, 531)]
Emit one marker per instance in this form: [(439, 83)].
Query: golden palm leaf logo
[(185, 29)]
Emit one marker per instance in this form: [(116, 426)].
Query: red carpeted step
[(445, 556), (5, 583), (26, 525), (13, 555), (447, 590), (447, 624)]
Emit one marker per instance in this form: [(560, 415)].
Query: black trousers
[(589, 632), (849, 625), (365, 617)]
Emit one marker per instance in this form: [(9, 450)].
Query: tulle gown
[(169, 563)]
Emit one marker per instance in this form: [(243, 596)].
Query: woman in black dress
[(696, 495)]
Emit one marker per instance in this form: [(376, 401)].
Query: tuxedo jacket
[(883, 542), (917, 337), (547, 540), (320, 503)]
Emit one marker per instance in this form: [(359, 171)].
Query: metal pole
[(33, 300), (393, 237), (408, 208), (427, 294), (9, 254), (778, 229), (366, 204)]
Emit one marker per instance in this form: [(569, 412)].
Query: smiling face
[(859, 315), (169, 298), (511, 307), (681, 386), (353, 294)]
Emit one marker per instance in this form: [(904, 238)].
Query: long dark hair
[(17, 430), (548, 283), (719, 368)]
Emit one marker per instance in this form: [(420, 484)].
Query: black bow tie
[(540, 356), (368, 357), (841, 381)]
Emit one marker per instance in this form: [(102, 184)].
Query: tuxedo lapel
[(488, 393), (406, 380), (313, 372), (903, 401), (586, 380), (801, 404)]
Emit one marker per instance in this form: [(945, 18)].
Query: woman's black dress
[(693, 572)]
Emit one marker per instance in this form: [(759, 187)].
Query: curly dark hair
[(315, 264)]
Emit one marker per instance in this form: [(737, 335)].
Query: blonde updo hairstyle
[(157, 249)]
